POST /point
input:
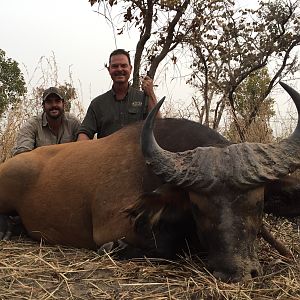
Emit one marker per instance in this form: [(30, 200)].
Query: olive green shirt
[(36, 133), (105, 114)]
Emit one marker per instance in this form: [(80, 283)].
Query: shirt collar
[(45, 121), (128, 91)]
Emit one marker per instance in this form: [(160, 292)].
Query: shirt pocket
[(134, 110), (135, 107)]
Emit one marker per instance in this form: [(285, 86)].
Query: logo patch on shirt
[(136, 103)]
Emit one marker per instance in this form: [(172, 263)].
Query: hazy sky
[(69, 29), (80, 39)]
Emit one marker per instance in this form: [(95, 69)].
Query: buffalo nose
[(232, 277)]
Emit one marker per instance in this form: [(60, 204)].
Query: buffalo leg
[(10, 226), (279, 246)]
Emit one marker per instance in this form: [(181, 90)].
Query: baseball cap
[(52, 90)]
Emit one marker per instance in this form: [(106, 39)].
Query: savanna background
[(218, 63)]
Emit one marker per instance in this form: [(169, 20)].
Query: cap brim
[(47, 95)]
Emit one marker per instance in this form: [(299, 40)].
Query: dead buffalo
[(86, 194)]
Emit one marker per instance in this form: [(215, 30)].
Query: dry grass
[(29, 270)]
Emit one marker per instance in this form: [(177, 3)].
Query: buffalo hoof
[(121, 250), (112, 247), (4, 225), (10, 226), (106, 248)]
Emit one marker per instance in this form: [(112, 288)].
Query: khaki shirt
[(36, 133)]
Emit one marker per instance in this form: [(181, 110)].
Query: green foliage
[(253, 109), (12, 84), (250, 96)]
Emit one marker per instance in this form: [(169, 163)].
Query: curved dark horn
[(148, 142), (240, 165), (162, 162), (296, 98)]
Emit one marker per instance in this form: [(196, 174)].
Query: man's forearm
[(82, 137)]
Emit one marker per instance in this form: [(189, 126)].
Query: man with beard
[(53, 126), (119, 106)]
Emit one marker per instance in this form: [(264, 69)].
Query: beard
[(54, 113)]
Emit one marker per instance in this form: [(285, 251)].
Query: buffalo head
[(226, 189)]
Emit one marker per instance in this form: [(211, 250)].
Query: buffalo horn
[(240, 165)]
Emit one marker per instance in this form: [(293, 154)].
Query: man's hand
[(147, 86)]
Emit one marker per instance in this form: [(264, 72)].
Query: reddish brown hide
[(74, 194)]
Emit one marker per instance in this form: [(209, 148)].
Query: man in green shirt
[(119, 106), (53, 126)]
